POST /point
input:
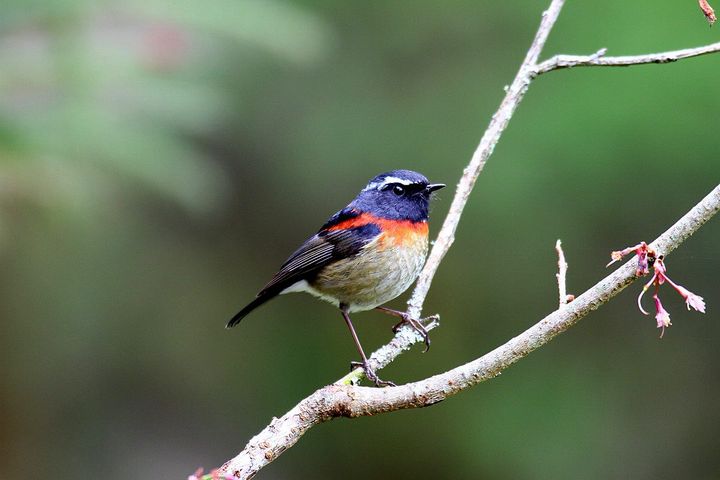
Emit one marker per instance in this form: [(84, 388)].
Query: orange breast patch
[(403, 232), (395, 232)]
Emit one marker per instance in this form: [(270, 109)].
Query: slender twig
[(352, 401), (514, 94), (343, 400), (598, 59), (562, 274)]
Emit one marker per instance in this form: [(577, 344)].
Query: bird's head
[(397, 195)]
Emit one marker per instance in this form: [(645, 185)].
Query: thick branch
[(352, 401)]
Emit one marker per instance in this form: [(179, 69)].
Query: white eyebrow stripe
[(386, 181), (370, 186), (401, 181)]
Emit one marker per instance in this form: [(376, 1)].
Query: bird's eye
[(398, 190)]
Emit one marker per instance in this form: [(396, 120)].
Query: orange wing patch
[(359, 221)]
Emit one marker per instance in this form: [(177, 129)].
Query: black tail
[(262, 298)]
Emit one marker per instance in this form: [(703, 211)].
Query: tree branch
[(515, 93), (345, 400), (598, 59)]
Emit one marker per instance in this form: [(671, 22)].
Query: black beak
[(434, 186)]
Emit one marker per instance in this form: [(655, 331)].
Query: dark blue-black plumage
[(412, 204)]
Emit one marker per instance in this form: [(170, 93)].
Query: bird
[(365, 255)]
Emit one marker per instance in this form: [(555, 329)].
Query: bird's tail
[(262, 298)]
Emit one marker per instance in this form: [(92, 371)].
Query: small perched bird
[(367, 254)]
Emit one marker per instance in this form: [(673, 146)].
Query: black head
[(398, 195)]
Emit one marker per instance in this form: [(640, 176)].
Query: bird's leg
[(369, 372), (407, 319)]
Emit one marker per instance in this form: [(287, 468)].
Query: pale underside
[(378, 274)]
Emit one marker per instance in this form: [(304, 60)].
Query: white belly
[(371, 278)]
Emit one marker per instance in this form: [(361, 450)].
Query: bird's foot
[(371, 375), (415, 325)]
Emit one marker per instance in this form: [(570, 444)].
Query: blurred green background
[(160, 159)]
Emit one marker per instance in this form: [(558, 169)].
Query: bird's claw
[(371, 375), (415, 325)]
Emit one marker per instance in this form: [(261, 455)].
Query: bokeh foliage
[(158, 160)]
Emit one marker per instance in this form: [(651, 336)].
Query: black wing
[(318, 251)]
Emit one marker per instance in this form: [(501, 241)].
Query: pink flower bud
[(662, 316), (691, 300), (696, 302)]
